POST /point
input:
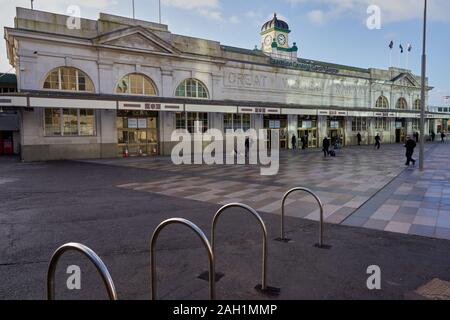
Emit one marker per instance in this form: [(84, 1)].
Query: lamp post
[(423, 94)]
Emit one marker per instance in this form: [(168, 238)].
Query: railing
[(264, 230), (92, 256), (205, 242), (301, 189)]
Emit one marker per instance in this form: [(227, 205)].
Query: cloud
[(316, 16), (210, 9), (391, 10), (235, 20)]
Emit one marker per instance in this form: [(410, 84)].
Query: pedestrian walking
[(359, 138), (294, 142), (416, 136), (433, 136), (303, 142), (443, 136), (378, 142), (326, 147), (410, 146)]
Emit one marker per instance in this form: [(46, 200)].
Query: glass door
[(137, 133)]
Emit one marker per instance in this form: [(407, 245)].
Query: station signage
[(259, 110), (304, 65), (150, 106), (336, 113), (385, 114)]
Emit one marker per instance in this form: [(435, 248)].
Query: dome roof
[(275, 23)]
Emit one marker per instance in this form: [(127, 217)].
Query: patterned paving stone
[(360, 187)]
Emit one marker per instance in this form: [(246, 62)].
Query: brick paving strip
[(413, 203)]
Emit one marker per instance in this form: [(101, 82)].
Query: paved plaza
[(361, 187), (378, 212)]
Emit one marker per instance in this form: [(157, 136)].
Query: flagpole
[(159, 11), (134, 10), (423, 92), (32, 6)]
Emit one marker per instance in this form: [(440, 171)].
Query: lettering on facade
[(307, 66), (153, 106), (5, 101), (296, 84), (247, 80)]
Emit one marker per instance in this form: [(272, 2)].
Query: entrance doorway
[(137, 133), (307, 128), (279, 124), (6, 143), (281, 134), (310, 136), (400, 131), (336, 130)]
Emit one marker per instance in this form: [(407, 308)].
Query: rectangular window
[(52, 122), (416, 124), (70, 117), (69, 122), (200, 118), (359, 124), (381, 124), (180, 120), (227, 122), (87, 122)]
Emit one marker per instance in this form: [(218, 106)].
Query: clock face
[(268, 40), (282, 39)]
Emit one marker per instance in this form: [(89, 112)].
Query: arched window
[(68, 79), (192, 88), (417, 104), (401, 104), (135, 83), (382, 103)]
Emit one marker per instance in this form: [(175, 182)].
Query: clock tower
[(275, 40)]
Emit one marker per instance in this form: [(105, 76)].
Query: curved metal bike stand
[(283, 235), (263, 286), (203, 238), (92, 256)]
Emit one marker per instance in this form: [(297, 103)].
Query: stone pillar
[(166, 128), (322, 128), (292, 129)]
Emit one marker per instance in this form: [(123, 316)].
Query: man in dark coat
[(433, 136), (410, 146), (359, 138), (294, 142), (443, 136), (378, 142), (326, 146)]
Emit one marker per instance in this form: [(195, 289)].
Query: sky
[(327, 30)]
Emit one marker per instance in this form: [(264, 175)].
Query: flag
[(409, 47), (401, 49), (391, 45)]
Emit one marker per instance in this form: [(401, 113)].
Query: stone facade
[(113, 47)]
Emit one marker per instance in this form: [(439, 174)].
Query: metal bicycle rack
[(283, 234), (92, 256), (263, 286), (203, 238)]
